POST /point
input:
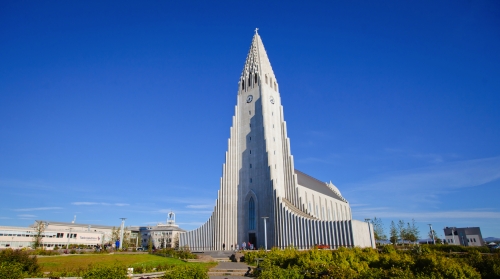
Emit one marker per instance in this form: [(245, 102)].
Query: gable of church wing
[(315, 185)]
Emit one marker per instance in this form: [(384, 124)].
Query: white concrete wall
[(362, 233)]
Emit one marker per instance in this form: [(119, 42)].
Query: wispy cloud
[(26, 215), (438, 177), (186, 211), (37, 209), (100, 203), (432, 215)]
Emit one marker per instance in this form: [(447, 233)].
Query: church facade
[(262, 197)]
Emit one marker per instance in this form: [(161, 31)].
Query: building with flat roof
[(57, 234), (470, 236), (163, 235)]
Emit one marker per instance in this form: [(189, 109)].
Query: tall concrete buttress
[(259, 180)]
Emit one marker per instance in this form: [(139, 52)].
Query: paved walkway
[(229, 266)]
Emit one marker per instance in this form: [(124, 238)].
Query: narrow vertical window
[(250, 180), (242, 85), (266, 79), (250, 151), (256, 79), (251, 214), (250, 165), (250, 112)]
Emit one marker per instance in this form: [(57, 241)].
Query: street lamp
[(367, 220), (121, 232), (265, 231), (69, 236), (432, 234)]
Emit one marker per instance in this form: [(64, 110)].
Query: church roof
[(316, 185)]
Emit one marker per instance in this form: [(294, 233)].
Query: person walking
[(223, 246), (243, 245)]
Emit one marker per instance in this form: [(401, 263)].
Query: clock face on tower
[(271, 100), (249, 98)]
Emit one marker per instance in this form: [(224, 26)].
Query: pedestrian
[(231, 247), (237, 247), (223, 246), (243, 245)]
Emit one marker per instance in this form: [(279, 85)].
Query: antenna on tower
[(74, 220)]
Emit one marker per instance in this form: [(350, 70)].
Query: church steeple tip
[(257, 62)]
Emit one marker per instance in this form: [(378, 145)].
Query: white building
[(54, 234), (470, 236), (161, 235), (259, 181)]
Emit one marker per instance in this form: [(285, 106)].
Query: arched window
[(251, 214)]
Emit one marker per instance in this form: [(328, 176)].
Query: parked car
[(140, 249)]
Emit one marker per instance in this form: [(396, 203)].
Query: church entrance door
[(253, 240)]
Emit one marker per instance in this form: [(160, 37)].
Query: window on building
[(250, 165), (251, 214), (266, 79), (242, 85), (250, 180)]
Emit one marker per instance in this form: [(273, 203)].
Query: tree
[(394, 233), (412, 232), (402, 230), (378, 229), (150, 244), (176, 241), (115, 235), (38, 237), (438, 240)]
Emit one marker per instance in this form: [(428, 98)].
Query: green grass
[(77, 262)]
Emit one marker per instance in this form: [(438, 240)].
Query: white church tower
[(259, 180)]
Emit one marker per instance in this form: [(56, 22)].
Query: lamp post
[(432, 234), (265, 232), (121, 231), (367, 220), (69, 236)]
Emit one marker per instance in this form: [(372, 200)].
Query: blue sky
[(122, 109)]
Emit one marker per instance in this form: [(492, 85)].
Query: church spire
[(257, 62)]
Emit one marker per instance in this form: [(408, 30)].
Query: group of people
[(236, 246)]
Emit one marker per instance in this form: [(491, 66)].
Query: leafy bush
[(275, 272), (186, 271), (105, 272), (42, 252), (27, 263), (179, 254), (418, 263), (11, 270)]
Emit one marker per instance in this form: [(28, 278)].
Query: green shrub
[(28, 264), (275, 272), (179, 254), (11, 270), (187, 272), (105, 272), (487, 264)]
